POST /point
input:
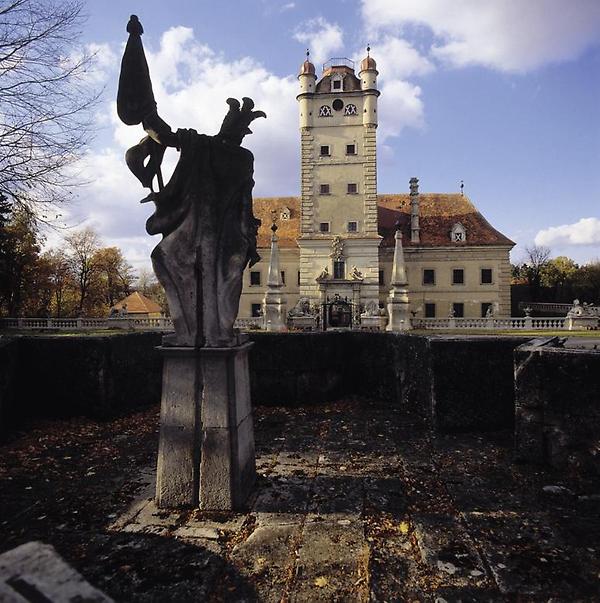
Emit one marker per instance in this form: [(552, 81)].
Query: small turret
[(307, 76), (368, 84), (368, 72)]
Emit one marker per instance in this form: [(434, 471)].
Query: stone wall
[(8, 378), (557, 394), (472, 387), (97, 377)]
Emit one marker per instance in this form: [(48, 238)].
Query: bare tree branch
[(46, 99)]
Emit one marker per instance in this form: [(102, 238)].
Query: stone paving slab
[(408, 518)]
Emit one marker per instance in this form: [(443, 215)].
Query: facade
[(337, 238)]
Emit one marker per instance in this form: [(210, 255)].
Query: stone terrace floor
[(354, 502)]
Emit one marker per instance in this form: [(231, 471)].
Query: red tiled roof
[(438, 214), (138, 304)]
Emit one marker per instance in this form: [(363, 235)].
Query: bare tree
[(45, 99), (536, 259)]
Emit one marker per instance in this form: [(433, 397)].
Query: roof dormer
[(458, 233)]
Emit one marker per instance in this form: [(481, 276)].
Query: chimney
[(414, 210)]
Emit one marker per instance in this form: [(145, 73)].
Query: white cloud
[(322, 38), (583, 232), (396, 58), (191, 83), (508, 35), (400, 106)]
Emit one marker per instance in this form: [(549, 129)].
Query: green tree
[(559, 274), (20, 255)]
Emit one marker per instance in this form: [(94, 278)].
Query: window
[(324, 227), (458, 309), (352, 226), (336, 84), (485, 306), (350, 110), (325, 111), (350, 149), (324, 189), (339, 269), (255, 277), (283, 276), (256, 310), (429, 276), (381, 277), (325, 150), (486, 276), (298, 278), (430, 310), (337, 104), (459, 236), (458, 276), (352, 188)]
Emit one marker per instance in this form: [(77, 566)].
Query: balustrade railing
[(508, 323), (161, 324), (166, 324)]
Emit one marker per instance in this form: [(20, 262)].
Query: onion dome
[(368, 63), (307, 68)]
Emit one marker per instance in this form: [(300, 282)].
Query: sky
[(503, 95)]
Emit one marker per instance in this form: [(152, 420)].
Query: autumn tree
[(60, 279), (115, 275), (82, 252), (45, 100)]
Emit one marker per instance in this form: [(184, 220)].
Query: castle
[(337, 239)]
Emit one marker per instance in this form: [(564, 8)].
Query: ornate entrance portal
[(337, 313)]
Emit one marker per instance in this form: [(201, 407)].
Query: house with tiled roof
[(337, 238), (137, 305)]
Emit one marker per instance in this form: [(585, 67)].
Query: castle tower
[(338, 231)]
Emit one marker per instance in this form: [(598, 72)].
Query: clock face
[(338, 104)]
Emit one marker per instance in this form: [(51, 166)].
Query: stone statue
[(324, 274), (355, 274), (302, 308), (489, 313), (204, 212), (337, 247), (372, 309)]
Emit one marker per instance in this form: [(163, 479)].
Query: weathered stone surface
[(227, 465), (472, 383), (557, 406), (177, 475), (35, 572)]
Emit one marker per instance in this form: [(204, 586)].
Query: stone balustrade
[(130, 322), (257, 323)]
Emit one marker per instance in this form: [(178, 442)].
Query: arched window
[(350, 110), (325, 111)]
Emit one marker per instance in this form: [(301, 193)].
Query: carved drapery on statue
[(204, 212)]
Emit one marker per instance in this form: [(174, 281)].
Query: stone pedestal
[(227, 465), (206, 447), (274, 311), (398, 310)]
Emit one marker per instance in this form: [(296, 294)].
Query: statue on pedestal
[(204, 212)]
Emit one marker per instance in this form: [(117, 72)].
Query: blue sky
[(502, 94)]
